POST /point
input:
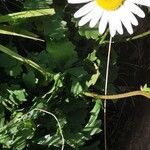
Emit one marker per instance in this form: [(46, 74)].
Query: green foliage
[(89, 34), (145, 88), (30, 4), (26, 14), (51, 77), (46, 64)]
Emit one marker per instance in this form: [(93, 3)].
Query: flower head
[(114, 13)]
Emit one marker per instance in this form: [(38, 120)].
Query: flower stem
[(106, 89), (118, 96)]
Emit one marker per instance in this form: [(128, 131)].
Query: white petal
[(84, 10), (141, 2), (103, 23), (133, 19), (78, 1), (129, 13), (115, 20), (125, 19), (94, 20), (135, 9), (128, 26), (112, 29), (87, 18)]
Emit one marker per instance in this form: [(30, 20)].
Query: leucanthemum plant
[(112, 13), (115, 14)]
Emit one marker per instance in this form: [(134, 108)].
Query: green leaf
[(61, 52), (22, 59), (145, 88), (34, 4), (12, 67), (76, 88), (92, 127), (89, 33), (17, 95), (25, 131), (29, 79), (6, 32), (54, 27), (2, 114), (77, 75), (26, 14)]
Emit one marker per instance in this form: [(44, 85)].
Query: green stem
[(24, 60), (118, 96), (138, 36)]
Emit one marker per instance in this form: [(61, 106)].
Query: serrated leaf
[(60, 52), (76, 88), (12, 67), (54, 27), (17, 96), (22, 59), (77, 74), (29, 79), (89, 33)]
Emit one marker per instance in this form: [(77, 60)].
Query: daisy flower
[(114, 13)]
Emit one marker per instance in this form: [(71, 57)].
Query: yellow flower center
[(109, 5)]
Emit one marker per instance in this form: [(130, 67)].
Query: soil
[(136, 132), (129, 119)]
